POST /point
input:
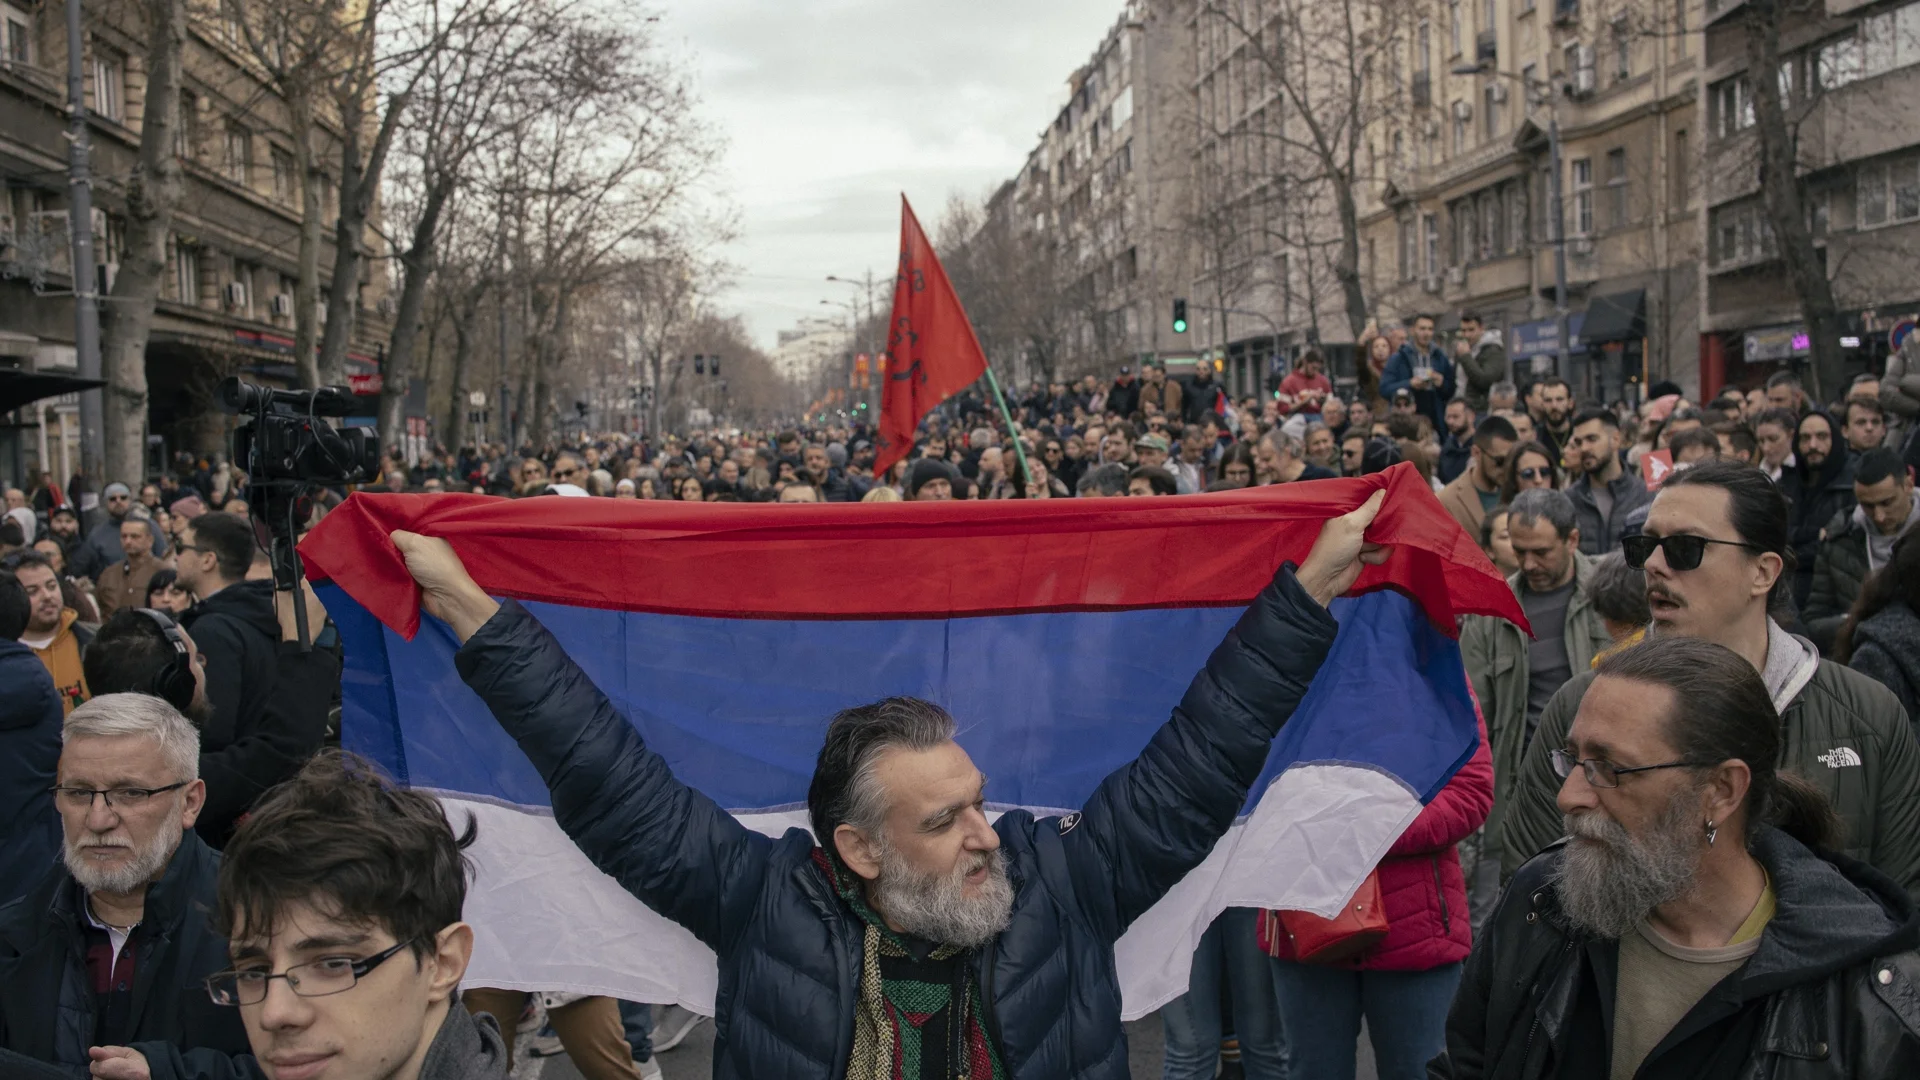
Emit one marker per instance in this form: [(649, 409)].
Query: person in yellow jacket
[(54, 631)]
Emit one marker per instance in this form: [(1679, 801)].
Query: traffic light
[(1179, 316)]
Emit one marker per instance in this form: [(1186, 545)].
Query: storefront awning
[(18, 388), (1617, 317)]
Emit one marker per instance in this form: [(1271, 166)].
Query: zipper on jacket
[(1440, 888), (1526, 1052)]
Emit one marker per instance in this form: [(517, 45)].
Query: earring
[(1712, 831)]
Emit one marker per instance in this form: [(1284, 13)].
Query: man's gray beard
[(935, 907), (1609, 882), (144, 867)]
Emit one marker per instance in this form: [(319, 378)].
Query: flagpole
[(1013, 433)]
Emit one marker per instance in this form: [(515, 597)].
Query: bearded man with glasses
[(107, 950), (1718, 560), (1696, 923)]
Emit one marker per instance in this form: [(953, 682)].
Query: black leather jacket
[(1834, 990)]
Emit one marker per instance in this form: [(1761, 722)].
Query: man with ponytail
[(1717, 556), (1695, 923)]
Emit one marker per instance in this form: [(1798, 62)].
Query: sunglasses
[(1535, 474), (1683, 552)]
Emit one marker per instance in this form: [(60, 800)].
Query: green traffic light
[(1179, 326)]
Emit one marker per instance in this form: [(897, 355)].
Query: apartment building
[(227, 305), (1460, 219), (1096, 216), (1849, 75)]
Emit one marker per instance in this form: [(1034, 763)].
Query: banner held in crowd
[(1060, 634), (932, 352)]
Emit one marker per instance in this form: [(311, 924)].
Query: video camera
[(288, 448)]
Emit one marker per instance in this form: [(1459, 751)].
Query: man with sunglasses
[(104, 949), (1715, 552), (102, 547)]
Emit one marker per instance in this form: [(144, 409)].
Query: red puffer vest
[(1420, 880)]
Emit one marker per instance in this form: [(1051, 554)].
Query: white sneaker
[(650, 1069), (544, 1044), (671, 1026)]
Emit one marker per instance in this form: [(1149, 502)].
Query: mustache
[(1656, 591)]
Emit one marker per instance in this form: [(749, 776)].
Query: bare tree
[(152, 191), (1323, 65)]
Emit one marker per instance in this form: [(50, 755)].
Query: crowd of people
[(1688, 843)]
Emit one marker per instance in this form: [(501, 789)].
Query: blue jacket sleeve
[(1156, 818), (1448, 371), (1397, 375), (664, 842)]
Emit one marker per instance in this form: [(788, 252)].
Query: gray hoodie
[(468, 1047)]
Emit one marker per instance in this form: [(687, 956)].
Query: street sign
[(366, 384)]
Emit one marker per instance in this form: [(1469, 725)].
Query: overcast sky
[(832, 108)]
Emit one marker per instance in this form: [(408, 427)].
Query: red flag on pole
[(932, 353)]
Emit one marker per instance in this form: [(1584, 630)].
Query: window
[(1732, 104), (16, 36), (238, 154), (1399, 151), (1838, 63), (1740, 233), (1490, 106), (1616, 187), (1430, 240), (1462, 214), (185, 133), (1489, 227), (109, 83), (1462, 117), (1679, 28), (1582, 223), (1423, 49), (1678, 169), (1516, 216), (1489, 16), (284, 187), (1529, 78), (1526, 6), (1887, 193), (1453, 26), (1622, 51), (186, 272), (1406, 249), (1123, 107)]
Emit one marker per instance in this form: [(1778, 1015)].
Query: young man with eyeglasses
[(1695, 924), (1716, 555), (103, 950)]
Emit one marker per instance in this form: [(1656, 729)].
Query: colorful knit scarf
[(892, 1014)]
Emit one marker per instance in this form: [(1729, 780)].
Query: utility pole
[(1562, 357), (86, 312)]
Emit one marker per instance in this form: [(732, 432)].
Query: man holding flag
[(918, 940)]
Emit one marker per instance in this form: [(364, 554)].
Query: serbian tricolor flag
[(1059, 633), (932, 353)]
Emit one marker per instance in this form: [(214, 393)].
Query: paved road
[(693, 1059)]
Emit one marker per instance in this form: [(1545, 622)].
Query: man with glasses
[(102, 547), (107, 948), (1477, 489), (1694, 923), (1715, 555)]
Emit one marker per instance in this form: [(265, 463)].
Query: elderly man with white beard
[(1694, 923), (110, 947)]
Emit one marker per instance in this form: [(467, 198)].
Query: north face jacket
[(1841, 731), (1832, 992), (789, 948), (1839, 570)]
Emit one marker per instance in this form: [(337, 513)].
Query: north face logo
[(1840, 757)]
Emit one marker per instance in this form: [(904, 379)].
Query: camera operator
[(141, 651), (233, 623)]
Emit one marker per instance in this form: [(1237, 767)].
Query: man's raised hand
[(1341, 552), (447, 591)]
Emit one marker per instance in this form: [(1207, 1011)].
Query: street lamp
[(1556, 225)]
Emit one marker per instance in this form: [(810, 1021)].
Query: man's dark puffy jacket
[(1833, 992), (1124, 398), (1817, 497), (1839, 569), (1600, 534), (31, 715), (236, 630), (790, 949), (47, 1006)]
